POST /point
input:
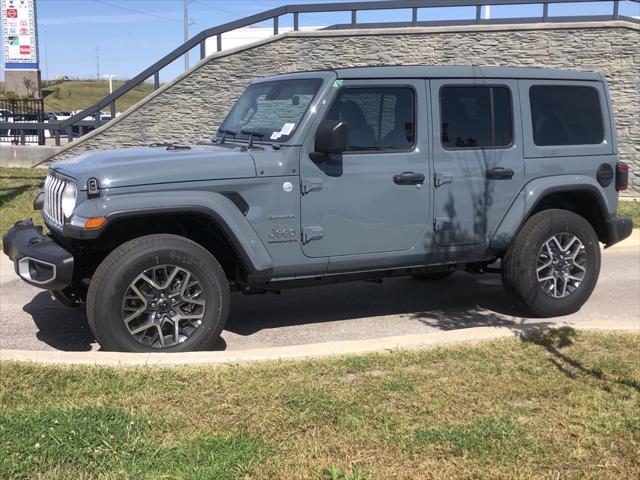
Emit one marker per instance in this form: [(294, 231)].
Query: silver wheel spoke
[(564, 288), (140, 310), (142, 328)]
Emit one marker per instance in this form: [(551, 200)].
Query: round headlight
[(69, 199)]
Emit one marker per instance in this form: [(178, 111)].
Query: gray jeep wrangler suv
[(336, 175)]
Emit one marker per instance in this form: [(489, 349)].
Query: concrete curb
[(298, 352)]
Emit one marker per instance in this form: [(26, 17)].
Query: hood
[(149, 165)]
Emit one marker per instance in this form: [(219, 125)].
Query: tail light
[(622, 176)]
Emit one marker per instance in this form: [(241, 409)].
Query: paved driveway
[(30, 320)]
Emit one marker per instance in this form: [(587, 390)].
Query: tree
[(30, 86)]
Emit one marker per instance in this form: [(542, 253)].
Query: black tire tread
[(512, 263), (118, 254)]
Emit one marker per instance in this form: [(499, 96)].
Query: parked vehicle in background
[(62, 115), (5, 116), (337, 175)]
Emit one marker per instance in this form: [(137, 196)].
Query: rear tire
[(553, 264), (158, 293)]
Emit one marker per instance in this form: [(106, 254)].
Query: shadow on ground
[(461, 301), (61, 327)]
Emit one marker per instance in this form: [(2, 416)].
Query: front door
[(478, 156), (374, 199)]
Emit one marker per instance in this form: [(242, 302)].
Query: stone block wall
[(191, 107)]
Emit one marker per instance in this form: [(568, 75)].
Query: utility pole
[(186, 32), (98, 62)]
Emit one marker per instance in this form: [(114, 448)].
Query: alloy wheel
[(163, 306), (561, 265)]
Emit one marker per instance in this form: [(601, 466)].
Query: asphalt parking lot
[(31, 320)]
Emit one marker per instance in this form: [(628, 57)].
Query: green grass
[(631, 210), (18, 189), (560, 404), (79, 94), (103, 439)]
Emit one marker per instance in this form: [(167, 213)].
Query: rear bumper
[(618, 229), (37, 259)]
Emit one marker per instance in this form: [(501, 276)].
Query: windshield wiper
[(251, 133), (224, 133)]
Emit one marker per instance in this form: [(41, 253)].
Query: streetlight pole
[(186, 32), (110, 76)]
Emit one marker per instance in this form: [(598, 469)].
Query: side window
[(565, 115), (475, 117), (380, 118)]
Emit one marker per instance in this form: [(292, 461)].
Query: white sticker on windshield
[(275, 135), (287, 128)]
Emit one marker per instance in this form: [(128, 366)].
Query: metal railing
[(20, 111), (79, 124)]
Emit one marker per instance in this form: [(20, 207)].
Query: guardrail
[(78, 122)]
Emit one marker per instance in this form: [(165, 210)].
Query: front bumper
[(618, 229), (38, 260)]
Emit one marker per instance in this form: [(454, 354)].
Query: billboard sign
[(19, 34)]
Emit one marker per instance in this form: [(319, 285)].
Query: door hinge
[(309, 185), (312, 233), (442, 178)]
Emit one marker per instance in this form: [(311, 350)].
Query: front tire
[(158, 293), (553, 264)]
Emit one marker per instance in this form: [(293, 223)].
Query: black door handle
[(408, 178), (500, 173)]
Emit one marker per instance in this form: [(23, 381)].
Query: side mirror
[(332, 137)]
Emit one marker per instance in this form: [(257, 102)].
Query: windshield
[(270, 111)]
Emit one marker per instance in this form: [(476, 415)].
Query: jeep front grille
[(53, 188)]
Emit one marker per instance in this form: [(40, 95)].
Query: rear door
[(478, 156)]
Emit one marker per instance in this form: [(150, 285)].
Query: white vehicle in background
[(61, 115)]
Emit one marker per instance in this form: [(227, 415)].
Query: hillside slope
[(79, 94)]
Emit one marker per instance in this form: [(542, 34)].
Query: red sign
[(25, 49), (12, 13)]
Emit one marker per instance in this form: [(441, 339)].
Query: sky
[(127, 36)]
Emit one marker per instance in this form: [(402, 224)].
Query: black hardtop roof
[(450, 71), (464, 71)]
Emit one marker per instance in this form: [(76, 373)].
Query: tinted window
[(565, 115), (475, 117), (379, 118)]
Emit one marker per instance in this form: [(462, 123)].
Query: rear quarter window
[(566, 115)]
